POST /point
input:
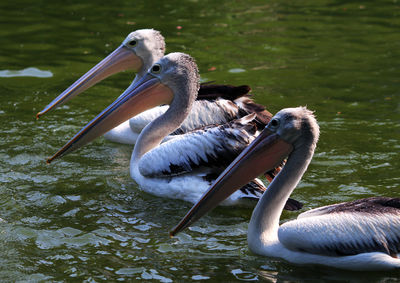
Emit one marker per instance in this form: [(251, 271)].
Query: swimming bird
[(139, 51), (184, 166), (358, 235)]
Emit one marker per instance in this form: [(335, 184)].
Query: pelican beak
[(119, 60), (263, 154), (141, 96)]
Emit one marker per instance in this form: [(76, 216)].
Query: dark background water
[(83, 217)]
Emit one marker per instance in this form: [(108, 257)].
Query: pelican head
[(140, 50), (288, 130), (295, 125), (173, 80), (148, 45)]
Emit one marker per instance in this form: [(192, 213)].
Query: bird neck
[(264, 223), (153, 134)]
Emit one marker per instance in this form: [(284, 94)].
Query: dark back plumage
[(372, 205), (212, 91)]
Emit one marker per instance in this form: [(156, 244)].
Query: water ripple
[(82, 218), (27, 72)]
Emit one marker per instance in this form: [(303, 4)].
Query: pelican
[(358, 235), (217, 104), (183, 167)]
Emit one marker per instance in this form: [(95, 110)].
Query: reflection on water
[(84, 218), (28, 72)]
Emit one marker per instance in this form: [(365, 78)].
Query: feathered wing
[(207, 112), (368, 205), (218, 104), (204, 112), (221, 111), (366, 225), (208, 148)]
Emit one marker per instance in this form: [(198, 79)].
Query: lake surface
[(83, 218)]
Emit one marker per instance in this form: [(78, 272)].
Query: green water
[(83, 218)]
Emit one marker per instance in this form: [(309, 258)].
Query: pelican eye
[(156, 69), (274, 123), (133, 42)]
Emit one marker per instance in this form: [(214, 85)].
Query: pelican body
[(216, 104), (184, 166), (359, 235)]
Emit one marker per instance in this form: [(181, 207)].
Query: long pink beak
[(119, 60), (263, 154), (141, 96)]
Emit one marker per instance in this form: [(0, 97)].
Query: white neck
[(152, 135), (264, 223)]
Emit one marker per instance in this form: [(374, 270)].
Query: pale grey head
[(297, 126), (179, 72), (148, 44)]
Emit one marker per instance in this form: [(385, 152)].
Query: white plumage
[(329, 234), (184, 166), (207, 149), (358, 235), (188, 187)]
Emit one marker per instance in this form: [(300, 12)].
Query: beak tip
[(38, 115), (177, 229), (172, 233)]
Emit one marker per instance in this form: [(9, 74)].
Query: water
[(83, 218)]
